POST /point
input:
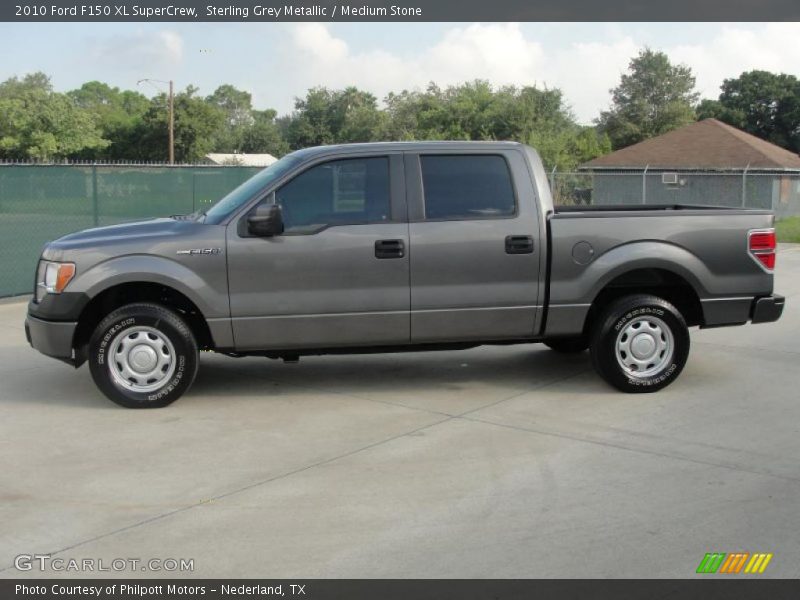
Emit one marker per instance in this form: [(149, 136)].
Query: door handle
[(390, 249), (519, 244)]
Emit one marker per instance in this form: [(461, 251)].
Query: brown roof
[(706, 144)]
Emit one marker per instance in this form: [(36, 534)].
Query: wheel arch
[(668, 283), (119, 294)]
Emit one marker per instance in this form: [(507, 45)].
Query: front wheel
[(640, 344), (143, 356)]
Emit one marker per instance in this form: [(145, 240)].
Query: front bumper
[(53, 338), (767, 309)]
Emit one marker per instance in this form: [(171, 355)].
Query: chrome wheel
[(141, 359), (644, 346)]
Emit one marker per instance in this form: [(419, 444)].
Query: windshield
[(235, 199)]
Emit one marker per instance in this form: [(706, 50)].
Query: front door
[(339, 275)]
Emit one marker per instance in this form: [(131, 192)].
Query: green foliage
[(115, 113), (788, 230), (762, 103), (264, 135), (334, 116), (476, 111), (653, 97), (38, 123), (196, 124)]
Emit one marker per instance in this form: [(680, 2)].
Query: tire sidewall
[(604, 350), (186, 359)]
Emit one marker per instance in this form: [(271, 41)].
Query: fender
[(212, 303), (647, 254), (573, 293)]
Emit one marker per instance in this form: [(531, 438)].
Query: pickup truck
[(389, 247)]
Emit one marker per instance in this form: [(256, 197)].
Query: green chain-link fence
[(39, 203)]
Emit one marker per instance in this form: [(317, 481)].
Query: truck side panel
[(707, 249)]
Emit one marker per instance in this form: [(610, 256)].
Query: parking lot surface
[(492, 462)]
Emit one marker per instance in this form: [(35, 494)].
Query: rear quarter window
[(467, 186)]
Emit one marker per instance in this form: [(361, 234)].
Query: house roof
[(706, 144), (246, 160)]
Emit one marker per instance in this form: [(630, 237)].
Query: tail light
[(761, 244)]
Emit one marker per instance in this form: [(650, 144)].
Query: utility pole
[(170, 110)]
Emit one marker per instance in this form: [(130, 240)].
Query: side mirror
[(266, 221)]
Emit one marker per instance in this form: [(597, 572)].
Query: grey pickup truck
[(392, 247)]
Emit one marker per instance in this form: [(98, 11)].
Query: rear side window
[(467, 186)]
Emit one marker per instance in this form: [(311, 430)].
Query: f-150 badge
[(201, 251)]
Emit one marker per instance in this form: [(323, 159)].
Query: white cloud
[(771, 47), (498, 52), (503, 54), (146, 52)]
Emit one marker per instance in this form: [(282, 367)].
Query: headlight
[(52, 277)]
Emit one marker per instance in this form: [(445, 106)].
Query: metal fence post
[(95, 207), (744, 185), (553, 181), (644, 184)]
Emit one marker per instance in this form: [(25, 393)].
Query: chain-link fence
[(779, 192), (39, 203)]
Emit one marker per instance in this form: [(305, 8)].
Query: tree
[(653, 97), (264, 135), (116, 114), (237, 107), (762, 103), (38, 123), (476, 111), (197, 122), (334, 116)]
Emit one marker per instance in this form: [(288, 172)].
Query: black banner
[(347, 589), (398, 10)]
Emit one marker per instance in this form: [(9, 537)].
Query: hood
[(125, 232), (154, 236)]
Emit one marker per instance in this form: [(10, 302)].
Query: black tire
[(158, 321), (623, 316), (571, 345)]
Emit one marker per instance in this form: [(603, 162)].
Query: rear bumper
[(53, 338), (723, 312), (767, 309)]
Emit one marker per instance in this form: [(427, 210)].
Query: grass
[(788, 230)]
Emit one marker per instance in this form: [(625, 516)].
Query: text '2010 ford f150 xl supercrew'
[(389, 247)]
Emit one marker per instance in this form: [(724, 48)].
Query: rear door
[(338, 276), (475, 246)]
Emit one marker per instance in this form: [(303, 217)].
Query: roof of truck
[(414, 146)]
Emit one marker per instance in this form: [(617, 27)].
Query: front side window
[(467, 186), (338, 192)]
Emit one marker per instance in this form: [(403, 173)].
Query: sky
[(277, 62)]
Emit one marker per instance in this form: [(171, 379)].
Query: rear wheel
[(571, 345), (143, 356), (640, 344)]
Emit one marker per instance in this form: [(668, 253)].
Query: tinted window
[(336, 193), (245, 192), (466, 187)]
